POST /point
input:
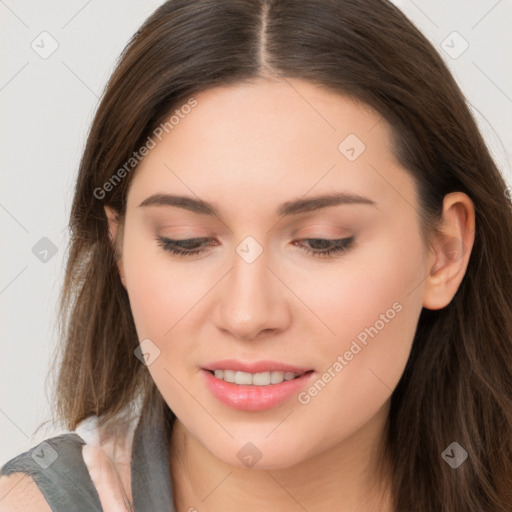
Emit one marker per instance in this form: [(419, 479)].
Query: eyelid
[(339, 246), (328, 229)]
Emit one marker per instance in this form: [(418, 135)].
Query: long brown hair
[(457, 385)]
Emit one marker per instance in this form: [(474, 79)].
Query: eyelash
[(342, 245)]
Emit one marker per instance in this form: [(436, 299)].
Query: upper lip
[(254, 366)]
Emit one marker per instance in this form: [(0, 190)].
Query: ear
[(115, 231), (452, 246)]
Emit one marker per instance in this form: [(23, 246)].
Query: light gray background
[(47, 106)]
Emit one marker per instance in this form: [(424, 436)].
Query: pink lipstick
[(255, 386)]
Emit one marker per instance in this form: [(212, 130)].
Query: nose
[(252, 300)]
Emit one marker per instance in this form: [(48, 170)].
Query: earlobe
[(451, 250), (115, 232)]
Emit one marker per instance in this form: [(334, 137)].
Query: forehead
[(271, 140)]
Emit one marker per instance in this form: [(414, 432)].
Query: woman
[(289, 279)]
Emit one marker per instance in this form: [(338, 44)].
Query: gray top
[(65, 482)]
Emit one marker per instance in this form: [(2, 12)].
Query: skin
[(247, 149)]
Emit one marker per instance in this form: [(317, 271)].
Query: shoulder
[(19, 492), (49, 476)]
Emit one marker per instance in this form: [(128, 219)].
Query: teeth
[(276, 377), (229, 375), (259, 379), (254, 379), (243, 378)]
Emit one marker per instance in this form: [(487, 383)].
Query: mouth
[(267, 378), (255, 386)]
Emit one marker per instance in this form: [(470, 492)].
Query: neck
[(344, 477)]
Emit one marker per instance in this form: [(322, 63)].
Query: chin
[(263, 454)]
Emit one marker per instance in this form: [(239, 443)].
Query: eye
[(186, 247), (326, 247)]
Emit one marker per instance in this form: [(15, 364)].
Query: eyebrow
[(288, 208)]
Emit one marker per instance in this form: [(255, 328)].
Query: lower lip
[(255, 398)]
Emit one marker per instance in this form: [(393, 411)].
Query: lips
[(257, 396), (255, 366)]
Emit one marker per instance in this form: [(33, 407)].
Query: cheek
[(161, 294), (373, 308), (160, 291), (166, 300), (352, 293), (362, 366)]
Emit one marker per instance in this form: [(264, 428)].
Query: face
[(271, 281)]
